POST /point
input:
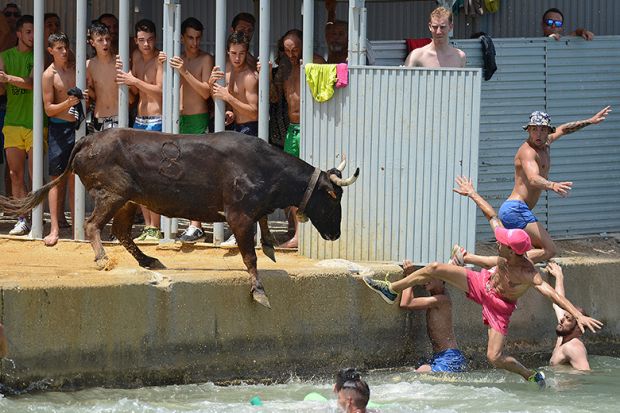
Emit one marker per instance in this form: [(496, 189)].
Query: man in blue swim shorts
[(446, 355), (532, 164)]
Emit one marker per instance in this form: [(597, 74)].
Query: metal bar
[(176, 87), (80, 81), (220, 108), (37, 118), (263, 79), (123, 51), (308, 30)]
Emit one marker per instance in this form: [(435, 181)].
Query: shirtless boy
[(439, 52), (569, 349), (446, 354), (145, 80), (195, 67), (58, 78), (101, 78), (497, 289)]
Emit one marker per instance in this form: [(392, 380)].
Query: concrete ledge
[(75, 326)]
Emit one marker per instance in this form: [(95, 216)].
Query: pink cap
[(516, 239)]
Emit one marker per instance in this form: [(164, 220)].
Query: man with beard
[(569, 349), (337, 39)]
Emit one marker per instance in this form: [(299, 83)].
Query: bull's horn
[(342, 164), (345, 182)]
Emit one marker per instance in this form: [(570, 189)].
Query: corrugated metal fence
[(411, 132), (571, 79)]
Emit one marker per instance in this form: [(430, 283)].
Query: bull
[(224, 176)]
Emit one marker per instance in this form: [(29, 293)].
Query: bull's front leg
[(267, 239), (245, 240)]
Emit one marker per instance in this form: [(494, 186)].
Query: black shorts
[(60, 139), (248, 128)]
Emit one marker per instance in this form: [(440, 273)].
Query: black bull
[(218, 177)]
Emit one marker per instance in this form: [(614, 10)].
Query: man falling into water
[(496, 290)]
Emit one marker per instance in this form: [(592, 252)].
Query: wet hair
[(246, 17), (26, 18), (59, 37), (552, 10), (191, 23), (98, 29), (145, 25), (440, 12), (238, 38), (582, 311), (349, 379)]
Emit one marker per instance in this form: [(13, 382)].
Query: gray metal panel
[(514, 91), (411, 132), (590, 158)]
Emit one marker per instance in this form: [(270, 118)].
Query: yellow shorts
[(20, 137)]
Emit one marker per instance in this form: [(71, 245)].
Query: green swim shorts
[(291, 143), (194, 124)]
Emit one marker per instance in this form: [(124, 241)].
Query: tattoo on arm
[(571, 127)]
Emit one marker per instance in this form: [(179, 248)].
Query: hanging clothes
[(321, 79)]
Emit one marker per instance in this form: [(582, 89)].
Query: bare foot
[(290, 244), (51, 239)]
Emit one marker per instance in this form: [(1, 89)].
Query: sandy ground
[(28, 263)]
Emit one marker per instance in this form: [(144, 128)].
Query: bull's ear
[(332, 194)]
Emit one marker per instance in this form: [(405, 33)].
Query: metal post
[(123, 51), (354, 32), (80, 81), (263, 79), (220, 108), (176, 86), (37, 116), (363, 34), (308, 30)]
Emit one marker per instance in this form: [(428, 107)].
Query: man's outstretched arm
[(556, 271), (410, 302), (571, 127), (466, 188)]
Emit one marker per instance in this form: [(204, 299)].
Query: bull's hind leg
[(121, 228), (243, 229), (105, 206), (267, 239)]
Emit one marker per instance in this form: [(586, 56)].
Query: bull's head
[(324, 208)]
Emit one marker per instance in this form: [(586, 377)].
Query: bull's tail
[(21, 206)]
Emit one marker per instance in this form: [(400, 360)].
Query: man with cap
[(496, 290), (532, 163)]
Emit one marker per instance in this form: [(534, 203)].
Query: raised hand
[(465, 186), (601, 115)]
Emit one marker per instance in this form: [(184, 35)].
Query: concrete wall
[(128, 333)]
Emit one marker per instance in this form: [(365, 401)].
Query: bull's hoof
[(153, 264), (260, 297), (269, 251), (105, 263)]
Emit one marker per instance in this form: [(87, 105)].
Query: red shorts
[(496, 311)]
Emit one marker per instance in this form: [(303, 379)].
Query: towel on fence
[(413, 44), (342, 75), (321, 79)]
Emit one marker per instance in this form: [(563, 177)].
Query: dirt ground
[(24, 261)]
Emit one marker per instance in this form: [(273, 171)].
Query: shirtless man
[(446, 355), (111, 22), (58, 78), (101, 78), (497, 289), (240, 93), (246, 23), (11, 13), (532, 164), (195, 67), (439, 52), (287, 85), (145, 80), (553, 26), (337, 40), (569, 349)]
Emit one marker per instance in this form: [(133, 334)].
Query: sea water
[(399, 390)]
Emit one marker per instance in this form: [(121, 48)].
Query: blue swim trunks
[(449, 361), (149, 123), (516, 214)]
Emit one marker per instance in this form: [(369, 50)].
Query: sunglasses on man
[(556, 23)]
